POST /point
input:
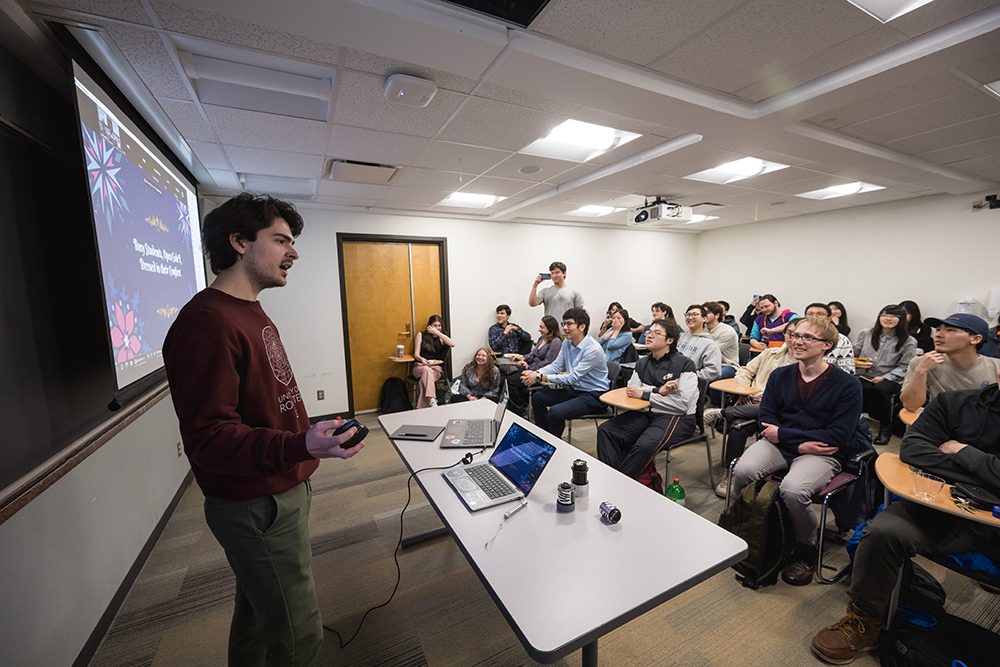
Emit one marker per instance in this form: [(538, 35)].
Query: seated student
[(505, 337), (580, 368), (842, 356), (614, 307), (955, 438), (808, 416), (727, 318), (953, 365), (768, 327), (727, 340), (915, 326), (480, 378), (431, 344), (666, 379), (992, 347), (699, 346), (544, 353), (660, 311), (890, 349), (838, 315), (617, 337), (755, 374)]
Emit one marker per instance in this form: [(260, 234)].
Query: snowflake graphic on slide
[(183, 221), (103, 165)]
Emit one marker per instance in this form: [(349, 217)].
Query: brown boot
[(840, 642)]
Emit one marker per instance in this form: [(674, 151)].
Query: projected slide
[(146, 222)]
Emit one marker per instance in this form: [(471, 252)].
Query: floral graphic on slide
[(183, 220), (124, 337), (103, 165)]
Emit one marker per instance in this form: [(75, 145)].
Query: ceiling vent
[(349, 171)]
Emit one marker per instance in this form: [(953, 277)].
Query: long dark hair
[(426, 341), (900, 331), (916, 321), (553, 326), (624, 314), (843, 315)]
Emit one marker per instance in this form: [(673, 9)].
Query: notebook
[(416, 432), (475, 432), (510, 474)]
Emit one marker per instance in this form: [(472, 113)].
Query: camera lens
[(642, 216), (610, 512)]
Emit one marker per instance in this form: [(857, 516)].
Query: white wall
[(489, 263), (932, 250), (63, 557)]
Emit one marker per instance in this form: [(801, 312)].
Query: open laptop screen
[(522, 456)]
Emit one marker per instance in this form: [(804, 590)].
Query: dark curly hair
[(245, 215)]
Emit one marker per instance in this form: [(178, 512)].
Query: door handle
[(407, 332)]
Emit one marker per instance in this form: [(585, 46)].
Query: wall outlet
[(320, 395), (180, 450)]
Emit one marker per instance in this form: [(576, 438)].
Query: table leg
[(590, 654)]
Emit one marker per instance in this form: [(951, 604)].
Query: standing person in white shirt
[(558, 298)]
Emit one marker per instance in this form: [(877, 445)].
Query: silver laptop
[(510, 474), (475, 432)]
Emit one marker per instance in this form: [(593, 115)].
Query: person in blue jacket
[(617, 338)]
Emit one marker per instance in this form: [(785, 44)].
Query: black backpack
[(394, 396), (760, 518)]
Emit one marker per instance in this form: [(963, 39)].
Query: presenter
[(246, 432)]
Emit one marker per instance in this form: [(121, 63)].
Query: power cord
[(466, 460)]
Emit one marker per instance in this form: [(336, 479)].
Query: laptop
[(510, 474), (475, 432)]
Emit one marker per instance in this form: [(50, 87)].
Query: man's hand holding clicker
[(323, 446)]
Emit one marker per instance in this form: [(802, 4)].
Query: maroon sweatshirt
[(241, 416)]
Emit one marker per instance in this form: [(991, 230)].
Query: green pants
[(276, 620)]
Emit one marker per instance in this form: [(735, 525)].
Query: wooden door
[(389, 291)]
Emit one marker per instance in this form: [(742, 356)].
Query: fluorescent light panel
[(469, 200), (887, 10), (697, 217), (578, 141), (841, 190), (736, 170), (994, 88), (595, 211)]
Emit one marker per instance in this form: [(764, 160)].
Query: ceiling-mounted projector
[(661, 212)]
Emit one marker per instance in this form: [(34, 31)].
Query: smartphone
[(756, 297), (546, 276)]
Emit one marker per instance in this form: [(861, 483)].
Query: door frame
[(440, 241)]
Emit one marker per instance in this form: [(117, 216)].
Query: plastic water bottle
[(676, 492)]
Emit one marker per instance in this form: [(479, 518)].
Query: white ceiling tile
[(970, 151), (574, 173), (637, 32), (936, 14), (964, 106), (522, 99), (501, 187), (149, 58), (386, 67), (274, 163), (983, 70), (125, 10), (409, 205), (211, 155), (187, 119), (946, 137), (414, 177), (329, 188), (498, 125), (769, 36), (361, 103), (985, 167), (459, 157), (352, 143), (617, 121), (415, 195), (667, 132), (637, 145), (239, 127), (547, 167), (347, 201), (225, 179)]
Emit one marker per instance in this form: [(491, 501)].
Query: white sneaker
[(713, 418), (723, 485), (434, 402)]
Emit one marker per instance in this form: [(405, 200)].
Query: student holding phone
[(558, 298)]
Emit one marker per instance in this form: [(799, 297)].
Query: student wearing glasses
[(808, 416), (890, 349), (580, 370)]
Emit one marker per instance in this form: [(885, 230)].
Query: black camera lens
[(642, 216)]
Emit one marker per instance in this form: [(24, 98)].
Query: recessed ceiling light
[(530, 169), (595, 211), (887, 10), (469, 200), (579, 141), (841, 190), (697, 217), (736, 170)]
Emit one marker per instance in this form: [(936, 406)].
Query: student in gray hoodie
[(699, 346)]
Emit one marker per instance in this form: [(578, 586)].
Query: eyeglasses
[(688, 316), (568, 323), (805, 338), (653, 333), (895, 317)]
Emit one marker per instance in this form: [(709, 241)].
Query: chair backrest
[(744, 353), (700, 408), (525, 347), (630, 354), (614, 370)]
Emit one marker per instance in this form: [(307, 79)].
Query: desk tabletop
[(908, 417), (898, 478), (617, 398), (543, 563), (405, 359), (731, 386)]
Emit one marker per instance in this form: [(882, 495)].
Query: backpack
[(760, 518), (650, 478), (394, 396)]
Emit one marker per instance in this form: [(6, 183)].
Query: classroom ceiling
[(818, 85)]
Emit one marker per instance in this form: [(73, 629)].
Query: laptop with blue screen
[(510, 474)]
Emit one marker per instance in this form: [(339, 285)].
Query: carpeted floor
[(178, 612)]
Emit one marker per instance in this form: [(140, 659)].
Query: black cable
[(467, 459)]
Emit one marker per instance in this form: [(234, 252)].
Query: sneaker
[(713, 418), (839, 643), (799, 572), (434, 402), (723, 485)]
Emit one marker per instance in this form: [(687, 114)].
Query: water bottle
[(676, 492)]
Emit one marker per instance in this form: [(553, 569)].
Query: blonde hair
[(822, 326)]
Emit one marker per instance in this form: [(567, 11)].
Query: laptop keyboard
[(474, 431), (489, 480)]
